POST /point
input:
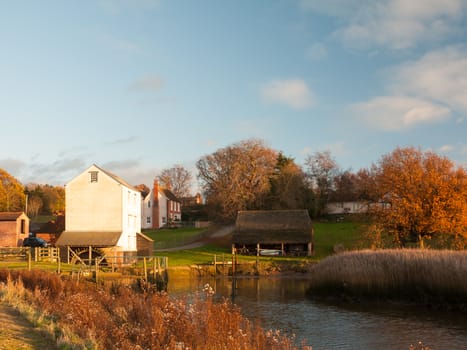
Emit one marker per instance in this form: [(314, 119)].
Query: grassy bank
[(119, 317), (329, 236), (428, 276)]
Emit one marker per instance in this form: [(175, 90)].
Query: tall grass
[(121, 318), (430, 276)]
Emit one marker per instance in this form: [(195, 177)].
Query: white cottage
[(103, 215), (160, 208)]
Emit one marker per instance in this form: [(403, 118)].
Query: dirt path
[(16, 333)]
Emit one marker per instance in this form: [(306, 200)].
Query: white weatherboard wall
[(131, 218), (146, 211), (162, 209), (105, 205)]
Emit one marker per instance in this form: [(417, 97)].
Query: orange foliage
[(427, 195)]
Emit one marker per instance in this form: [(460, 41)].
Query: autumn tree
[(236, 177), (345, 187), (12, 197), (424, 194), (177, 179), (321, 170), (143, 189), (289, 189), (47, 199)]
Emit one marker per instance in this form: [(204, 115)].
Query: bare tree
[(321, 169), (177, 179), (34, 206)]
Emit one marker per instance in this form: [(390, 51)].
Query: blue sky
[(136, 86)]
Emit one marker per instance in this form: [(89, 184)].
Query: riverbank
[(267, 268)]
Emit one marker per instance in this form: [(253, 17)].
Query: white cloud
[(147, 83), (316, 52), (395, 24), (439, 75), (392, 113), (293, 93), (446, 148)]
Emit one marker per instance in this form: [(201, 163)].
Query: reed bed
[(82, 316), (421, 275)]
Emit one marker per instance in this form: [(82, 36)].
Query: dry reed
[(422, 275), (121, 318)]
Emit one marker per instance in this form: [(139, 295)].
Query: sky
[(137, 86)]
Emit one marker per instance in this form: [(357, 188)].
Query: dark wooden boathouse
[(273, 232)]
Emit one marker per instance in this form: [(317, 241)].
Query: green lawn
[(168, 238), (329, 234), (202, 255)]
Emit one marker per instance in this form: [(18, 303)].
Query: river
[(280, 303)]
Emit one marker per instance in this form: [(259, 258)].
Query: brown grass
[(430, 276), (121, 318)]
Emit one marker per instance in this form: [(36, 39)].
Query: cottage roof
[(10, 215), (87, 238), (170, 195), (272, 226)]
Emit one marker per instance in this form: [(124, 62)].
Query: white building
[(103, 212)]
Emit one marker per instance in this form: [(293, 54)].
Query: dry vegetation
[(81, 316), (435, 277)]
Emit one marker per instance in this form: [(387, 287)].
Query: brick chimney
[(155, 204)]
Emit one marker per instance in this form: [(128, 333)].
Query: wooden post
[(233, 265), (90, 256), (97, 269), (145, 269), (59, 264), (223, 264), (29, 259)]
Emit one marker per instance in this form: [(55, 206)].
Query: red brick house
[(14, 228)]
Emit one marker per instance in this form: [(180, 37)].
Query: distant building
[(14, 228), (191, 201), (160, 208), (351, 207)]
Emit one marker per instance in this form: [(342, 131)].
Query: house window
[(93, 176), (148, 219), (149, 204), (23, 226)]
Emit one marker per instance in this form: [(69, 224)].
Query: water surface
[(280, 303)]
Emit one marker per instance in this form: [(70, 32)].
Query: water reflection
[(280, 303)]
